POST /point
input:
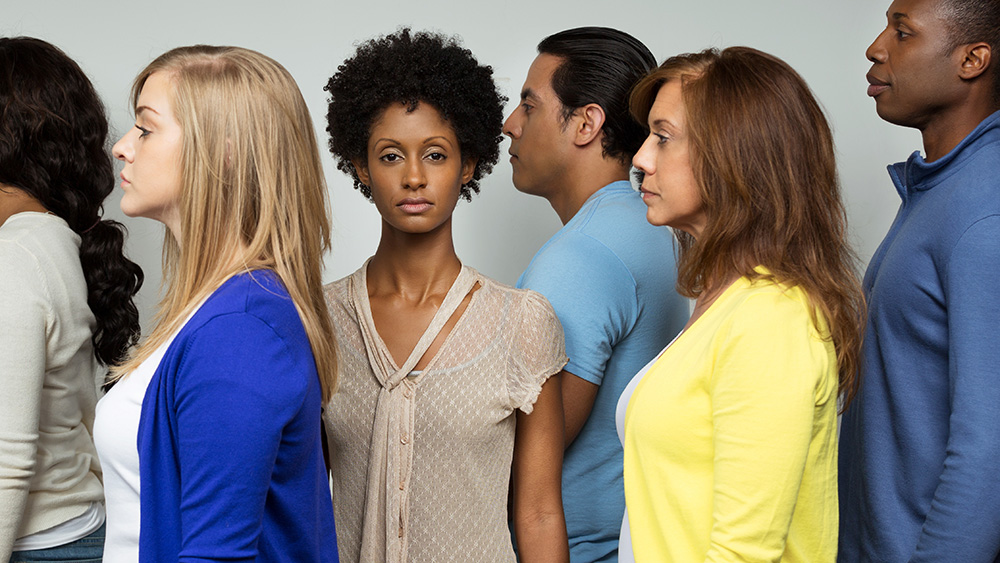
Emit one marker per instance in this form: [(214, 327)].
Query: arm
[(238, 385), (577, 400), (963, 523), (593, 295), (763, 399), (539, 523), (22, 370)]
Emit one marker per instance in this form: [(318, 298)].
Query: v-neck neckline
[(426, 339)]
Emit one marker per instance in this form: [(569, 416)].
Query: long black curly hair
[(415, 68), (53, 146)]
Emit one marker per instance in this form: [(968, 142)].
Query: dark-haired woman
[(65, 302), (447, 374), (730, 435)]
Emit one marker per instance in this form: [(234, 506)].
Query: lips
[(414, 205), (876, 86), (646, 194), (124, 179)]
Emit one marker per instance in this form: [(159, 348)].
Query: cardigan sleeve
[(24, 311), (963, 523), (763, 392), (237, 387)]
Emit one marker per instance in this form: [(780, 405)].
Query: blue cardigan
[(230, 457), (920, 446)]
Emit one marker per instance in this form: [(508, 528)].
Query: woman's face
[(415, 168), (151, 152), (669, 188)]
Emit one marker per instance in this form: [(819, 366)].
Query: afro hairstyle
[(415, 68)]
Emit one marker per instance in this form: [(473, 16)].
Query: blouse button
[(405, 439)]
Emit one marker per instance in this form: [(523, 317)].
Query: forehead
[(668, 104), (155, 93), (926, 11), (539, 80), (424, 121)]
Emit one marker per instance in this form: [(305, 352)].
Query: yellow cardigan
[(731, 437)]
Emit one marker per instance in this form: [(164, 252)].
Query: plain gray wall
[(501, 229)]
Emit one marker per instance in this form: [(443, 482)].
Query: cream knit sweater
[(49, 471)]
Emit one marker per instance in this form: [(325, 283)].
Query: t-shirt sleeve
[(764, 389), (239, 383), (23, 308), (537, 351), (593, 295), (963, 523)]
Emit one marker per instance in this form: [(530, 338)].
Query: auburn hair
[(253, 194), (762, 154)]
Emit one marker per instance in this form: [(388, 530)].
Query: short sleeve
[(537, 350), (592, 293)]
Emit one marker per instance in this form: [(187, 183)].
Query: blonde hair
[(253, 194)]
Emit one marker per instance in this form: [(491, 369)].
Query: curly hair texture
[(763, 156), (53, 146), (415, 68)]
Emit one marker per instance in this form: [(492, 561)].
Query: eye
[(661, 139), (143, 130), (900, 34), (527, 107), (437, 156), (390, 157)]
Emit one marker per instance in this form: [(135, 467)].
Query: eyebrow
[(425, 141), (666, 122), (141, 109), (528, 93), (896, 16)]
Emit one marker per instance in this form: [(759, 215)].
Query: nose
[(644, 159), (876, 51), (512, 126), (124, 150), (415, 177)]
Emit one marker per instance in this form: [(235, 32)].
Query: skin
[(919, 80), (151, 151), (669, 188), (415, 171), (561, 160), (14, 200)]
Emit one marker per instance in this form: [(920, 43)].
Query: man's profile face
[(914, 73), (540, 142)]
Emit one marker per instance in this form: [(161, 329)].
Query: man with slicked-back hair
[(920, 444), (608, 273)]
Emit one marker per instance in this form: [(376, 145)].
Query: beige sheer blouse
[(421, 464)]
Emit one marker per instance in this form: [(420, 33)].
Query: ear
[(588, 121), (976, 58), (468, 169), (362, 169)]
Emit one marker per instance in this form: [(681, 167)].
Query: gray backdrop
[(500, 230)]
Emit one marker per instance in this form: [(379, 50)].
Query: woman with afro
[(446, 385)]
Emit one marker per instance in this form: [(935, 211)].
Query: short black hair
[(415, 68), (54, 147), (972, 21), (600, 65)]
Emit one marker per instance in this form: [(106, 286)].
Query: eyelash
[(144, 131), (661, 138)]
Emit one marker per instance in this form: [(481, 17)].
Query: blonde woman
[(210, 436)]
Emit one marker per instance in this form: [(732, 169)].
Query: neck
[(14, 200), (586, 177), (415, 265), (949, 127)]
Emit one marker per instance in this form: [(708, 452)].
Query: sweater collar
[(916, 174)]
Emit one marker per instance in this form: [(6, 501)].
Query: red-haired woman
[(730, 435)]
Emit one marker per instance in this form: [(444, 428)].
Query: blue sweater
[(920, 446), (229, 444)]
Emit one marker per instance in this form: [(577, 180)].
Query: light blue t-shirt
[(610, 277)]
